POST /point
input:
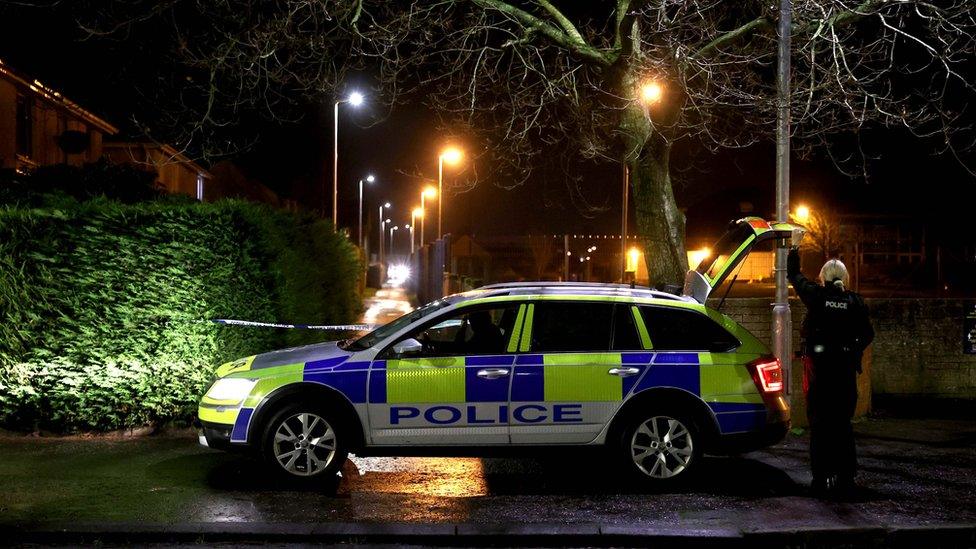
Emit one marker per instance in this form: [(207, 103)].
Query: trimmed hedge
[(104, 307)]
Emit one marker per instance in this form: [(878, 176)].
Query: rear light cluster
[(768, 374)]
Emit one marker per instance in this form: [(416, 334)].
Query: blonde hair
[(834, 272)]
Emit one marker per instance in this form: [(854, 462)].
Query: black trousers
[(831, 400)]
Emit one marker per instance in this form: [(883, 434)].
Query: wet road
[(914, 472)]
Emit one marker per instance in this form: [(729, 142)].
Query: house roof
[(53, 96)]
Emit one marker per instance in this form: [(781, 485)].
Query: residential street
[(914, 473)]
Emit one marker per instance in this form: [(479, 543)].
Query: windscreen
[(381, 333)]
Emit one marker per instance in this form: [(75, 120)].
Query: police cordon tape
[(336, 327)]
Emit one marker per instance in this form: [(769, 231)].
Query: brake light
[(769, 374)]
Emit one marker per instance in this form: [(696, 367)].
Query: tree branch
[(764, 24), (553, 34)]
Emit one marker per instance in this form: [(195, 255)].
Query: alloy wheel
[(662, 447), (304, 444)]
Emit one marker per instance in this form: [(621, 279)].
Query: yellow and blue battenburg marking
[(721, 380)]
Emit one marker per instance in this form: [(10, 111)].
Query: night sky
[(294, 159)]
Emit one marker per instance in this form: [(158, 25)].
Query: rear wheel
[(302, 442), (660, 448)]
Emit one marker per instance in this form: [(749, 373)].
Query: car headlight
[(231, 389)]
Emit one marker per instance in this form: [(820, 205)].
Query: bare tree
[(619, 81)]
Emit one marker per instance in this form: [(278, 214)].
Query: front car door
[(454, 390)]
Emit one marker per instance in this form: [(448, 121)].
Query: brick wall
[(917, 348)]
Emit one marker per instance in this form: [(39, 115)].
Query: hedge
[(105, 307)]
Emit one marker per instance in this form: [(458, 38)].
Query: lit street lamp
[(651, 92), (355, 99), (382, 228), (392, 229), (802, 214), (410, 227), (429, 192), (451, 155), (369, 179), (417, 212)]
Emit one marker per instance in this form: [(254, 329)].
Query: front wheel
[(660, 449), (302, 442)]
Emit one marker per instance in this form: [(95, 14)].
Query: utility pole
[(782, 322), (566, 257), (623, 226)]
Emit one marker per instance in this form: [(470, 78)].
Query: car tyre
[(659, 448), (304, 443)]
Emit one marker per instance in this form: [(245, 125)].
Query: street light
[(451, 155), (429, 192), (651, 92), (414, 215), (392, 229), (382, 228), (410, 228), (802, 214), (369, 179), (355, 99)]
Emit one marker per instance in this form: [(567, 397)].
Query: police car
[(657, 379)]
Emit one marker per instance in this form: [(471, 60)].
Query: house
[(176, 173), (39, 126)]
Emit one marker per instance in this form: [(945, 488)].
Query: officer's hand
[(793, 262)]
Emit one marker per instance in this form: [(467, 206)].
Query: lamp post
[(369, 179), (651, 93), (382, 225), (417, 212), (392, 230), (782, 321), (451, 155), (429, 192), (355, 99), (410, 228)]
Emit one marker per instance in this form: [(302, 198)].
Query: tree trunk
[(660, 224)]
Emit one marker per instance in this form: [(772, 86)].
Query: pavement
[(917, 478)]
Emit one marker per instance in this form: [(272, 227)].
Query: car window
[(571, 326), (625, 336), (381, 333), (468, 331), (674, 329)]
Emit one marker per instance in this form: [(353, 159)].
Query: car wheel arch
[(658, 396), (315, 392)]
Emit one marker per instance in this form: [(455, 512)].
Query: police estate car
[(656, 378)]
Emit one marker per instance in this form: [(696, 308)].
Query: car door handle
[(493, 373), (623, 372)]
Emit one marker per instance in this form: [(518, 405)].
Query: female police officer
[(835, 331)]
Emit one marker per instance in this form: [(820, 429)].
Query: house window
[(25, 126)]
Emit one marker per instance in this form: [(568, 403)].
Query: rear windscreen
[(718, 260)]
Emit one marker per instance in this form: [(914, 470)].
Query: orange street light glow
[(417, 212), (802, 214), (452, 155), (651, 92), (430, 192)]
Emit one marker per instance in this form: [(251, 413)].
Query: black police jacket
[(837, 321)]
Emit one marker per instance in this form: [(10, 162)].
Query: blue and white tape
[(337, 327)]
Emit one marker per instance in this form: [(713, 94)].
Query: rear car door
[(570, 377), (695, 353), (455, 390)]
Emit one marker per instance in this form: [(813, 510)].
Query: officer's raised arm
[(805, 288)]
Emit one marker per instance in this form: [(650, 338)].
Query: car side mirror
[(408, 346)]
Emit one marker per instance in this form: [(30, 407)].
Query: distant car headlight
[(233, 389)]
